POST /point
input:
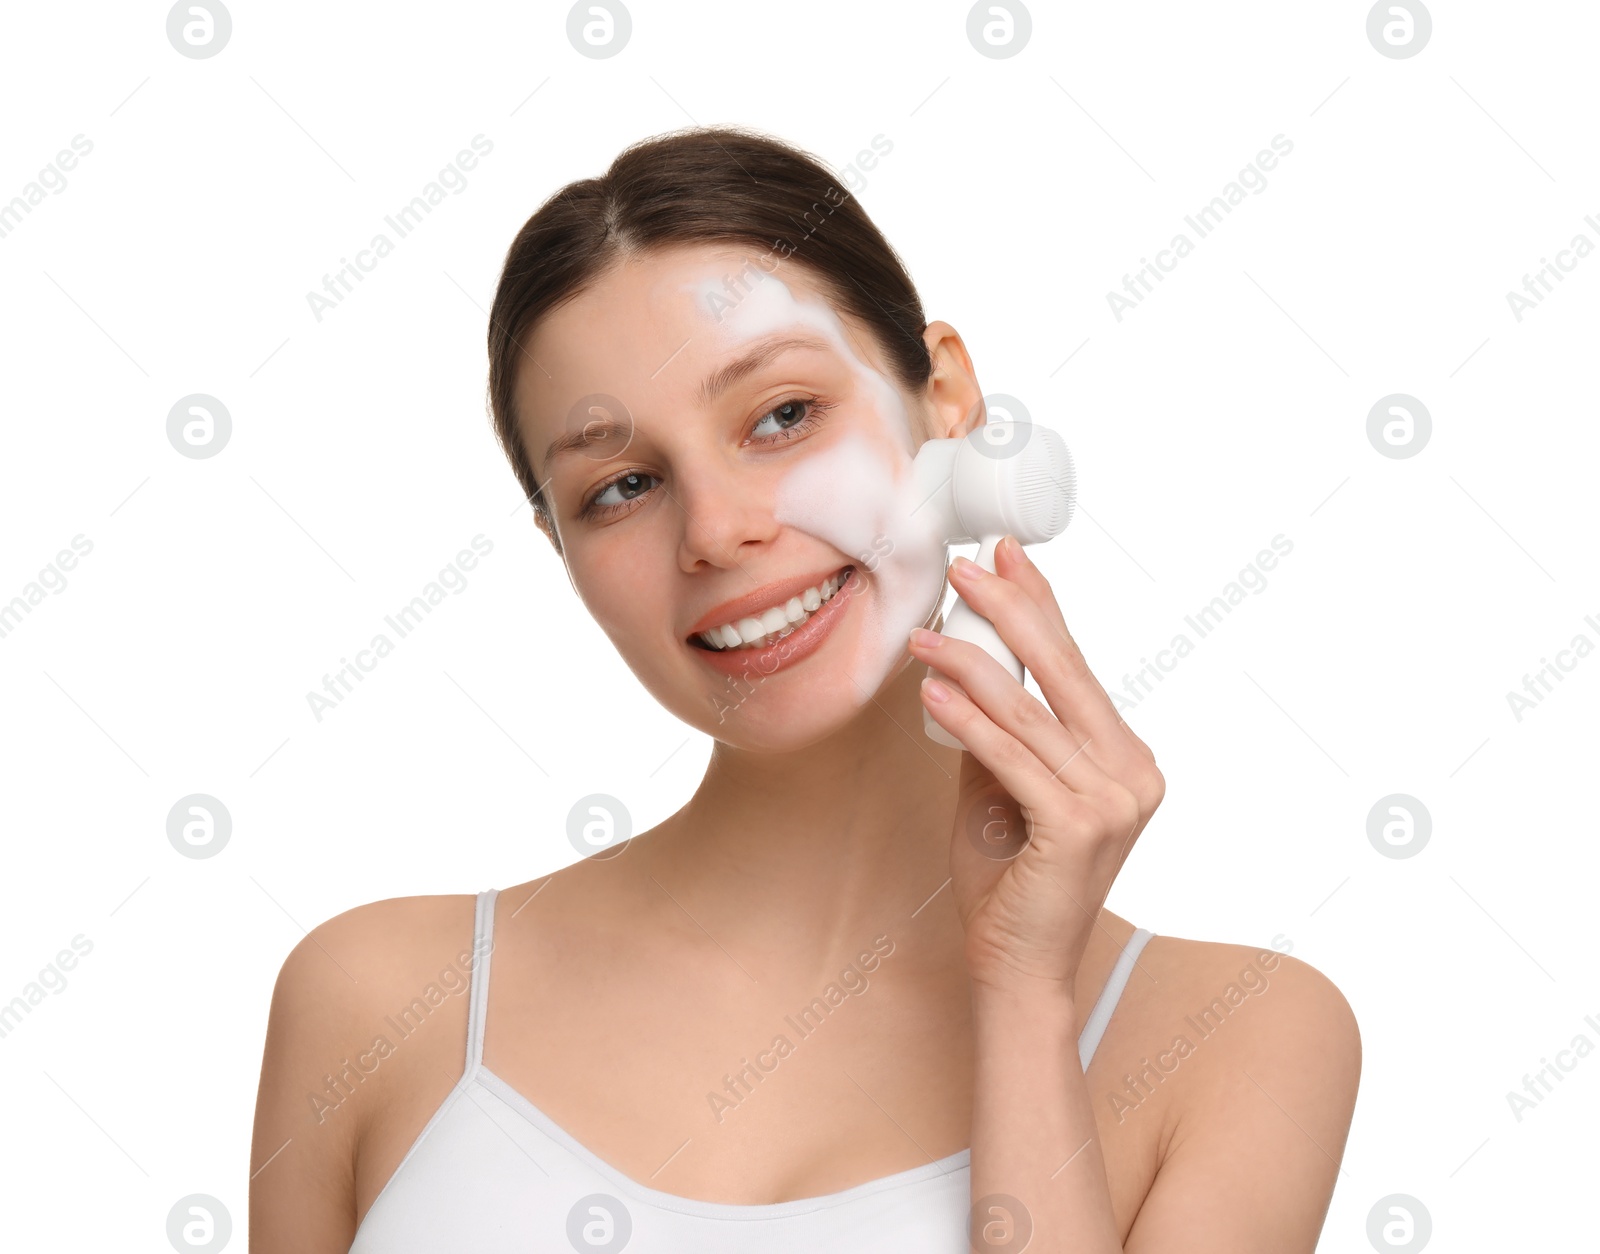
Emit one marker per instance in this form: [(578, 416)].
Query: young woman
[(861, 992)]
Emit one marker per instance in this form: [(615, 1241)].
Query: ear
[(954, 398), (542, 521)]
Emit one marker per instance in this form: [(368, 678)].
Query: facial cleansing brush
[(1003, 477)]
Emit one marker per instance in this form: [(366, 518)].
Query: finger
[(1074, 694), (1012, 562), (1054, 658), (1011, 707), (1015, 766)]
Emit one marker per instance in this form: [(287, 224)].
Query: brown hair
[(697, 185)]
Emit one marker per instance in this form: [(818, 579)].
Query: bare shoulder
[(384, 939), (1301, 1008), (1237, 1004), (368, 1005), (351, 972), (1255, 1056)]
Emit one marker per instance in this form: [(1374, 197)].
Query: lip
[(761, 599), (800, 643)]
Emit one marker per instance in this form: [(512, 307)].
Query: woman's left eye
[(797, 414)]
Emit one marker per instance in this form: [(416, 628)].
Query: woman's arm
[(1254, 1155), (1259, 1118), (302, 1171), (1053, 798), (1038, 1177)]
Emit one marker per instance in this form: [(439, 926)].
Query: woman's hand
[(1051, 799)]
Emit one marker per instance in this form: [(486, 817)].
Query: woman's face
[(716, 442)]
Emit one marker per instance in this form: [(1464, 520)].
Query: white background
[(1229, 407)]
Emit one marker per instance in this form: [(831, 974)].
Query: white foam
[(853, 492)]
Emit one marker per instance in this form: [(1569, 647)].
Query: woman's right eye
[(630, 487)]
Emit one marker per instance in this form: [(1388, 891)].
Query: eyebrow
[(763, 352), (719, 381)]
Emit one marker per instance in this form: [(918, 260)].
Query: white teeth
[(774, 623)]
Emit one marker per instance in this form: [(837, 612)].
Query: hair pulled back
[(700, 185)]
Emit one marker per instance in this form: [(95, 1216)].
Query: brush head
[(1046, 488), (1013, 477)]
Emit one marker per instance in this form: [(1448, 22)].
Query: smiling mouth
[(763, 630)]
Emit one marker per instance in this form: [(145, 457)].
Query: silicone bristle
[(1046, 486)]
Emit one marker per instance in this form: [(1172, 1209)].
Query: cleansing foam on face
[(856, 490)]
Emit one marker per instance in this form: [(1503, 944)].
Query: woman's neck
[(813, 853)]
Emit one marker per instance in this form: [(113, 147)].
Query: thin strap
[(1094, 1027), (478, 998)]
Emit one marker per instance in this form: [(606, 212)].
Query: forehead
[(654, 325)]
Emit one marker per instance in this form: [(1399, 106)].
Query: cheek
[(858, 496), (841, 494), (614, 584)]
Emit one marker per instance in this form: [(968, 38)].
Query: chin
[(783, 726), (783, 713)]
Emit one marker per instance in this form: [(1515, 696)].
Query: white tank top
[(492, 1173)]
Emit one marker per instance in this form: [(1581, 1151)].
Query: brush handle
[(965, 623)]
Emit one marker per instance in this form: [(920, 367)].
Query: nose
[(726, 509)]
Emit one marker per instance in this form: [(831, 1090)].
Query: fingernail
[(935, 690), (968, 569), (925, 639), (1011, 546)]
